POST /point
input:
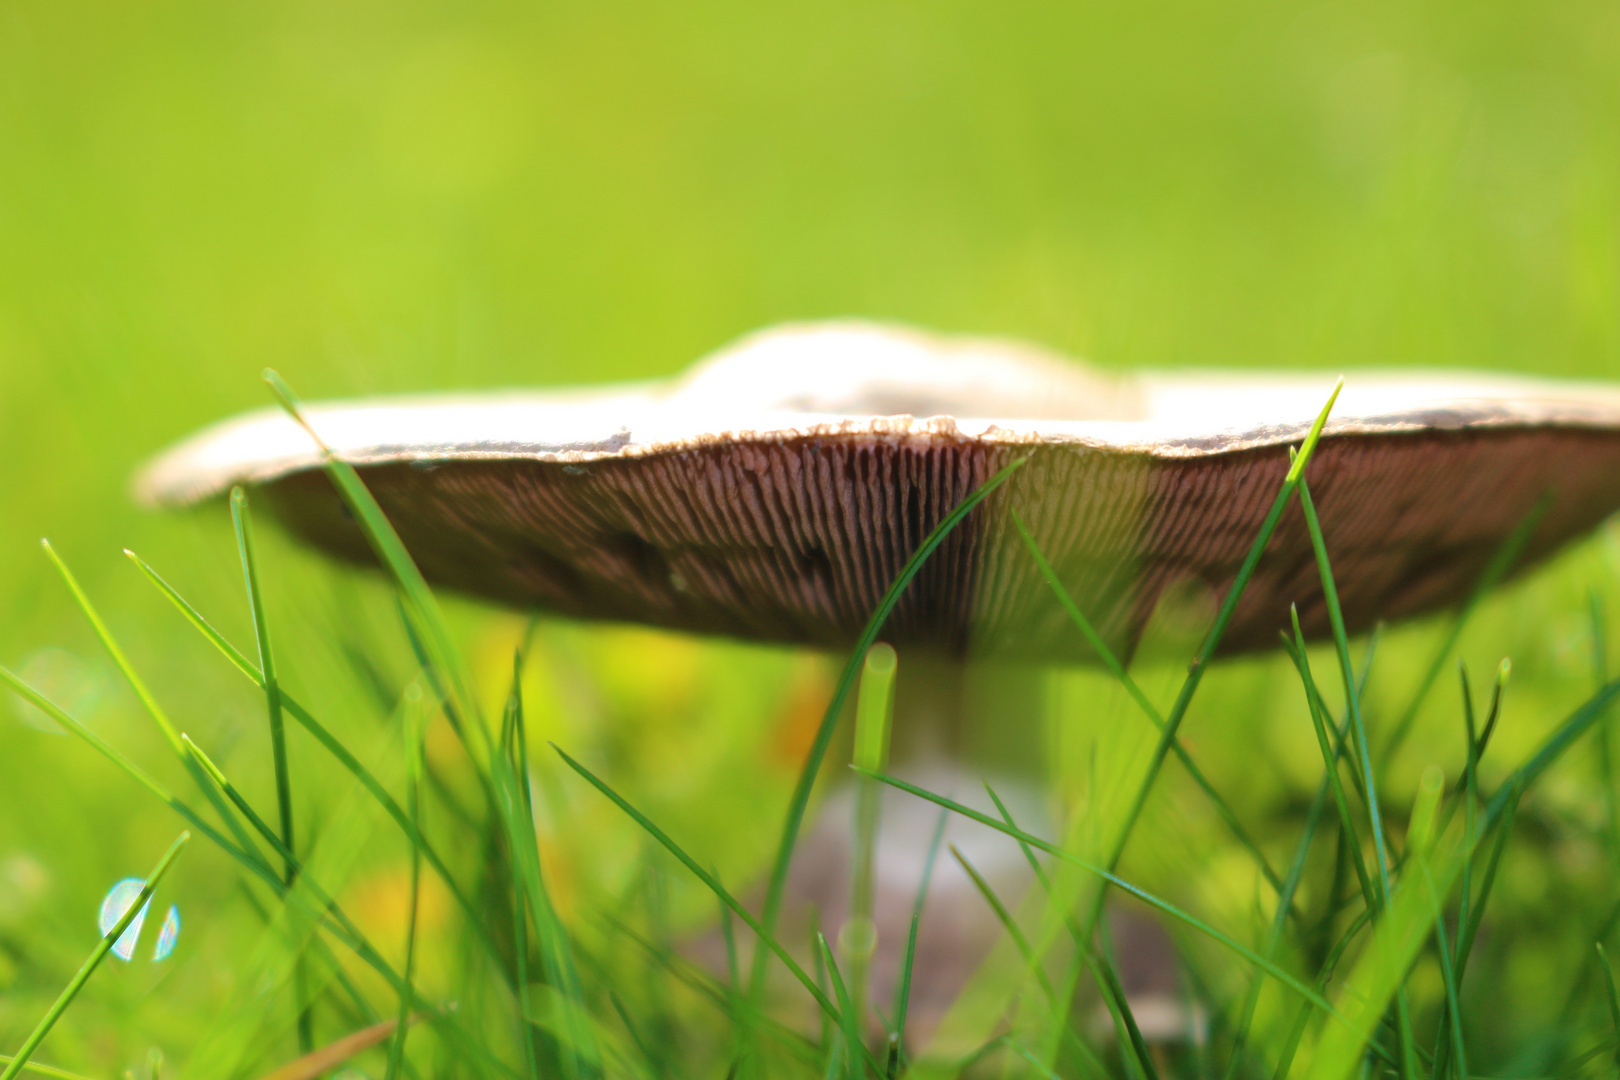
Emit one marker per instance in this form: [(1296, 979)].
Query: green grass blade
[(414, 724), (1279, 922), (1501, 563), (1613, 996), (874, 705), (148, 701), (97, 955), (243, 807), (337, 923), (854, 1045), (1330, 758), (902, 996), (1108, 984), (245, 547), (248, 857), (1228, 817), (1358, 728), (195, 617), (1117, 882), (577, 1047), (243, 524), (800, 799), (520, 907), (1330, 964), (1032, 962), (1212, 640), (397, 561), (44, 1070), (334, 747), (1448, 978), (709, 880)]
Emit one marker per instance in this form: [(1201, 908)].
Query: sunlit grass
[(1355, 956)]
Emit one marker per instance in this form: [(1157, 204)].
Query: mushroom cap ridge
[(774, 491)]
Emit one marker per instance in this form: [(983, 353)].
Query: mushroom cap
[(775, 490)]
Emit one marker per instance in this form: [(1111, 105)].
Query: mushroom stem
[(979, 715)]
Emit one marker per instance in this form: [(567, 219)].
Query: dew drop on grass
[(118, 900), (167, 934)]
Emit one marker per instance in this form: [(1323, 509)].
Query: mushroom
[(774, 491)]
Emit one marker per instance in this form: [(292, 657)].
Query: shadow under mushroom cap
[(774, 492)]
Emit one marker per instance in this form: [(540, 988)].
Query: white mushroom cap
[(776, 488)]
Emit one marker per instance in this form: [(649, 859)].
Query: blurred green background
[(410, 196)]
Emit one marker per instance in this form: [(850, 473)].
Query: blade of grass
[(854, 1045), (512, 730), (1358, 728), (335, 747), (874, 705), (1279, 923), (44, 1070), (1501, 563), (249, 858), (1115, 1001), (800, 799), (510, 785), (663, 838), (1330, 964), (707, 987), (1228, 817), (1032, 962), (1470, 784), (337, 923), (392, 554), (902, 996), (413, 780), (171, 735), (1330, 758), (1212, 640), (97, 955), (1448, 977), (1117, 882), (243, 524), (1613, 997)]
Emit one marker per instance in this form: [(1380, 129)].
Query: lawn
[(376, 198)]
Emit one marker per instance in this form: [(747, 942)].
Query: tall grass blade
[(149, 702), (37, 1069), (97, 955), (1358, 728), (390, 550), (874, 705), (414, 724), (1212, 640), (902, 994), (243, 524), (1228, 817), (1613, 996), (800, 799), (1102, 971), (319, 902), (1507, 555), (1117, 882), (334, 747), (1330, 758), (850, 1026), (768, 940)]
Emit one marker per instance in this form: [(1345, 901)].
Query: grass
[(430, 196), (1314, 982)]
